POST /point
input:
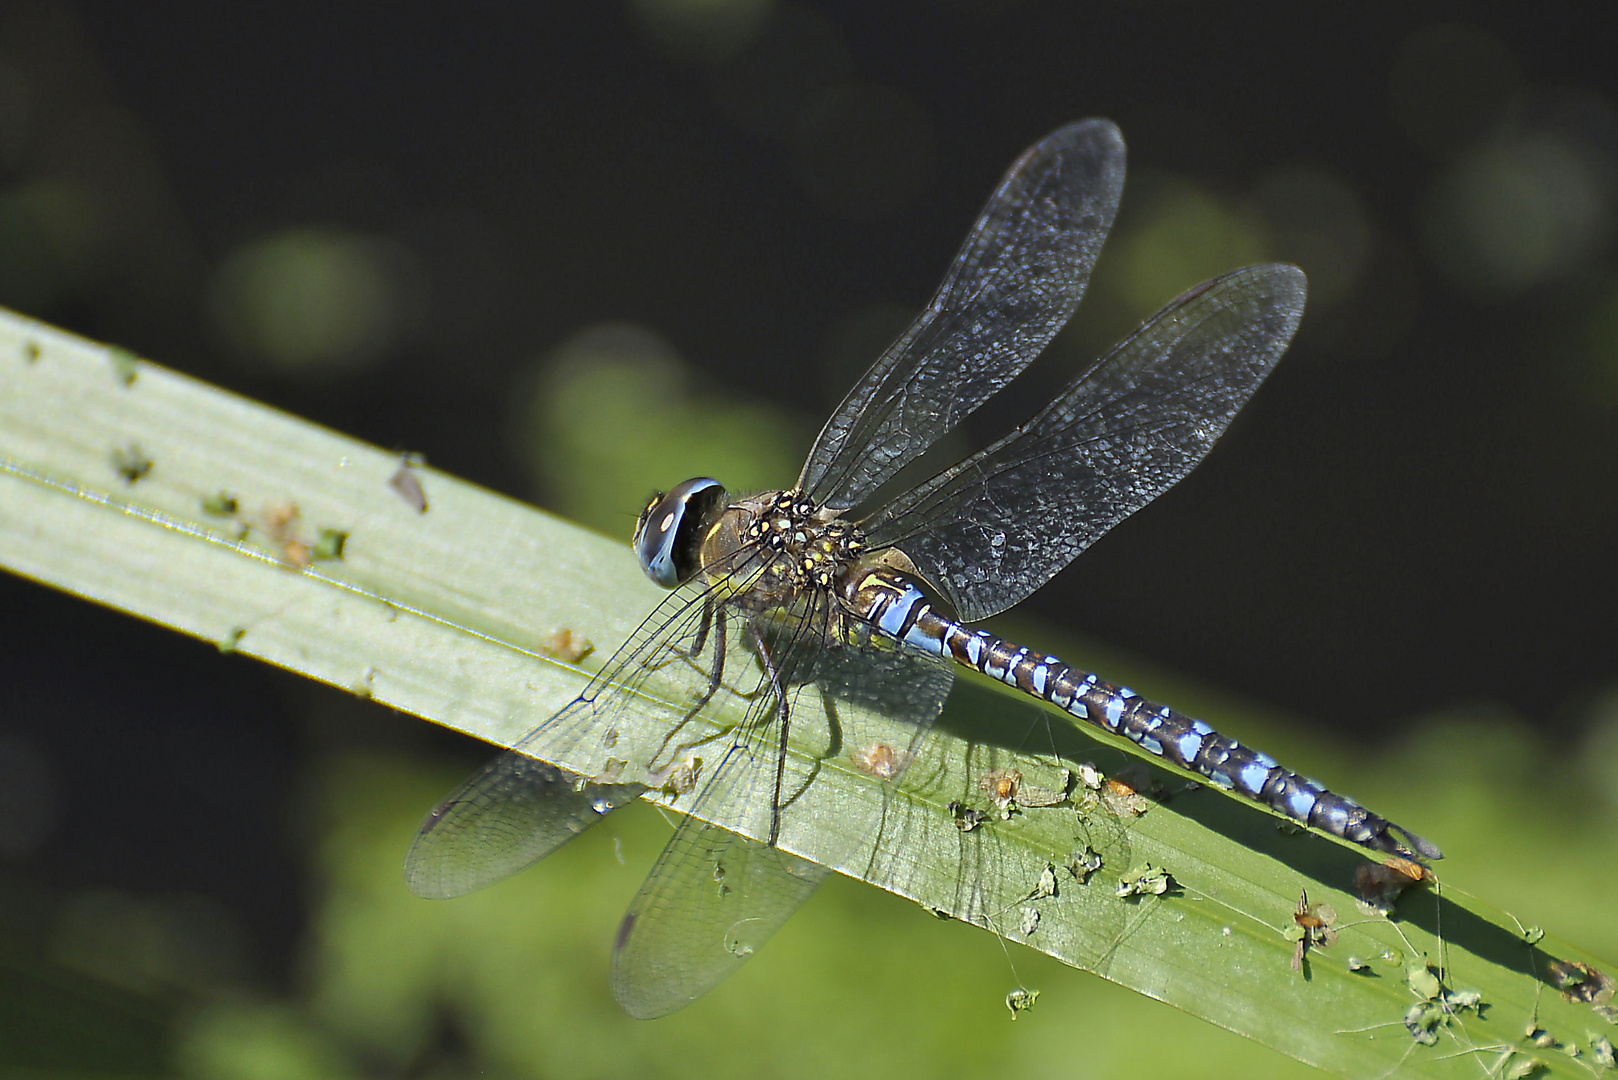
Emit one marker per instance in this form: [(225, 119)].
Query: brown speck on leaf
[(679, 777), (966, 818), (131, 464), (881, 761), (1123, 794), (1001, 785), (1580, 982), (408, 484), (567, 646), (281, 524)]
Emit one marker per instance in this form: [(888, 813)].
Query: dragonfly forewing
[(1015, 282)]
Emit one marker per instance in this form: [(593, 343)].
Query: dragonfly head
[(668, 536)]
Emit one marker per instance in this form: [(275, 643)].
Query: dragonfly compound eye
[(668, 536)]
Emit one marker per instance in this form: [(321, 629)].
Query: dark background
[(1417, 511)]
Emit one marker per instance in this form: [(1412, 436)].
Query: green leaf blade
[(453, 615)]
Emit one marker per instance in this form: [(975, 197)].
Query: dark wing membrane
[(994, 528), (1014, 284)]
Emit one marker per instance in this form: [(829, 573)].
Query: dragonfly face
[(709, 700)]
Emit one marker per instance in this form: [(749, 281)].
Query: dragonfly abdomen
[(900, 609)]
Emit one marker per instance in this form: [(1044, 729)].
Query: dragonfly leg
[(716, 675), (783, 717), (703, 627)]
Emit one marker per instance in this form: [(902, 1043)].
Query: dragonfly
[(792, 612)]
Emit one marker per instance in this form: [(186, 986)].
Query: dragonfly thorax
[(784, 537)]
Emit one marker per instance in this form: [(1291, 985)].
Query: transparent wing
[(994, 528), (714, 896), (1013, 285), (521, 807), (713, 899), (515, 812)]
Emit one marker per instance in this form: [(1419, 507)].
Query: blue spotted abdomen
[(895, 605)]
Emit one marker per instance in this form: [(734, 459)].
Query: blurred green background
[(577, 253)]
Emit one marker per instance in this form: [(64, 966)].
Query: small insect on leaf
[(30, 351), (1601, 1051), (1009, 792), (966, 818), (1315, 919), (1519, 1066), (1143, 880), (1379, 885), (1422, 1020), (1081, 864), (1046, 885), (220, 504), (1312, 928), (1021, 1000), (1422, 982), (1118, 795)]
